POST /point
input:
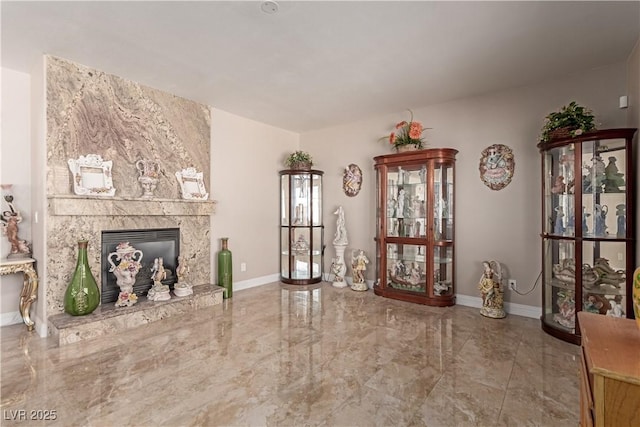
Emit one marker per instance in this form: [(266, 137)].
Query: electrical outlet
[(243, 266), (512, 284)]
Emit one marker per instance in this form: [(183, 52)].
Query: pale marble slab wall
[(91, 112)]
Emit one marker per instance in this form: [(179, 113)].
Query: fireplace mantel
[(72, 205)]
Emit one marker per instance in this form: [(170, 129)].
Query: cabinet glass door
[(443, 201), (559, 201), (406, 201), (406, 267), (560, 282)]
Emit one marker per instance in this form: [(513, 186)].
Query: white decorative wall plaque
[(92, 176), (192, 184)]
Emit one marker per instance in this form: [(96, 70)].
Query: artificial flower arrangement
[(407, 133), (572, 120)]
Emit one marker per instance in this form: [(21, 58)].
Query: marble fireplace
[(92, 112)]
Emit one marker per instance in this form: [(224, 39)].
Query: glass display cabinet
[(301, 228), (588, 246), (415, 226)]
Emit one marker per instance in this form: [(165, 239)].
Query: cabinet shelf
[(415, 226), (587, 228)]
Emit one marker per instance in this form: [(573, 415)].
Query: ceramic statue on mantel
[(148, 171), (182, 288), (158, 291), (128, 266), (9, 222), (340, 242)]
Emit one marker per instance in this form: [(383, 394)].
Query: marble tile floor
[(281, 355)]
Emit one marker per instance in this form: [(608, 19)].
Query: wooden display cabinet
[(588, 231), (301, 227), (415, 226)]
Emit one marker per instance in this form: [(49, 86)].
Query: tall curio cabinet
[(588, 228), (301, 228), (415, 226)]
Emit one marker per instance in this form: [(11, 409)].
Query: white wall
[(245, 158), (15, 169), (502, 225)]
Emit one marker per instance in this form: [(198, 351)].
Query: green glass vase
[(225, 269), (82, 295)]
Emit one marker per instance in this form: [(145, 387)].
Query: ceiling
[(316, 64)]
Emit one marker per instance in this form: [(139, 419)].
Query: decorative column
[(340, 242)]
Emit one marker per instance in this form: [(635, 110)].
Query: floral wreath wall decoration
[(497, 166)]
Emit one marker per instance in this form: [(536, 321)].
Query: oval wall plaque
[(352, 180), (497, 166)]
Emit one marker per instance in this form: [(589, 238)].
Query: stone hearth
[(107, 319)]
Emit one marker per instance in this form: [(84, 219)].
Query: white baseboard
[(11, 318), (258, 281), (14, 318), (510, 307)]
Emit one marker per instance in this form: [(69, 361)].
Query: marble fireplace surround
[(77, 217)]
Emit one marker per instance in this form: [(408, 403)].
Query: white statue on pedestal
[(340, 242), (182, 289), (158, 292)]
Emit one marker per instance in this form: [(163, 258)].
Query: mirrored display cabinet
[(415, 226), (588, 228), (301, 227)]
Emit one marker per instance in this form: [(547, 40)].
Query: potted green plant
[(572, 120), (299, 160)]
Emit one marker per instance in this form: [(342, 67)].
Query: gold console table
[(29, 286)]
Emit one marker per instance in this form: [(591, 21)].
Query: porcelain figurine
[(566, 303), (585, 227), (128, 259), (491, 291), (401, 203), (9, 223), (158, 291), (621, 214), (600, 219), (182, 288), (616, 309), (595, 177), (607, 275), (613, 178), (149, 171), (359, 263), (559, 185), (558, 227)]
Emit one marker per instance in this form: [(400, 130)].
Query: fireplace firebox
[(154, 243)]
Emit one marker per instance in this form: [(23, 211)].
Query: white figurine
[(182, 289), (359, 263)]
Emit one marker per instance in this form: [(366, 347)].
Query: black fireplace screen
[(154, 243)]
